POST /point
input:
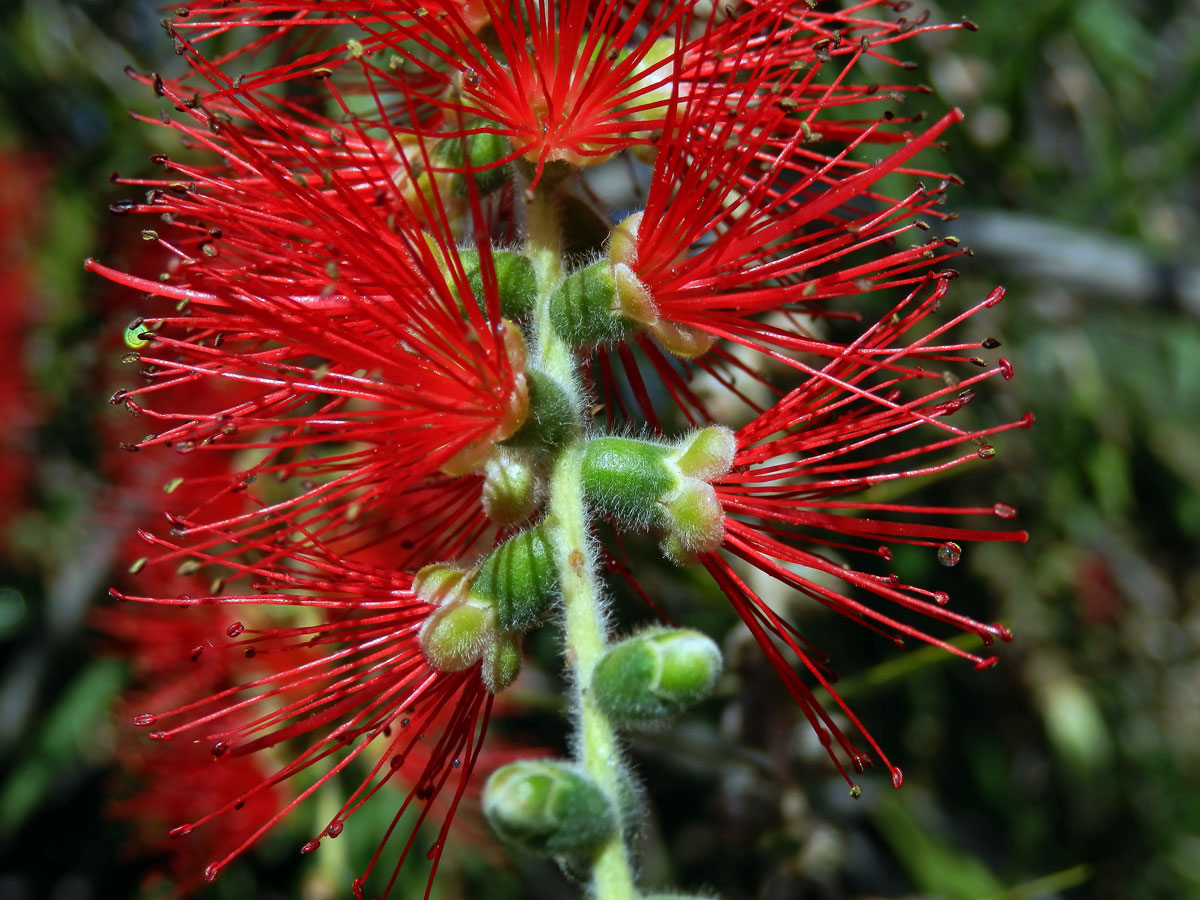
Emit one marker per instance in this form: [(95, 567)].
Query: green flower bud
[(501, 661), (626, 479), (520, 578), (655, 674), (455, 635), (585, 309), (644, 484), (550, 417), (512, 488), (483, 151), (603, 302), (516, 281), (547, 807)]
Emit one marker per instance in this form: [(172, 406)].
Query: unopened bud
[(437, 584), (626, 479), (547, 807), (650, 485), (585, 310), (501, 661), (521, 579), (516, 281), (697, 521), (655, 674), (549, 415)]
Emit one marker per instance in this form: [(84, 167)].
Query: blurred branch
[(1082, 260)]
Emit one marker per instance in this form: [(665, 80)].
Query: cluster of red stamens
[(335, 334)]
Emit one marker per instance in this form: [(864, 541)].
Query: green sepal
[(521, 579), (626, 479), (438, 583), (585, 309), (707, 453), (655, 674), (516, 281), (547, 807), (551, 415), (484, 150)]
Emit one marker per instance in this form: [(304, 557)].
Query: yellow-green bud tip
[(455, 636)]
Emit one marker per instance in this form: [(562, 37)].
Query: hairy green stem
[(586, 633), (585, 627), (543, 244)]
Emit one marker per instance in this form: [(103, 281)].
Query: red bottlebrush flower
[(20, 183), (401, 492), (173, 657), (720, 243), (565, 81), (312, 338), (797, 488), (173, 784), (188, 653), (348, 682), (760, 209), (335, 332), (799, 492)]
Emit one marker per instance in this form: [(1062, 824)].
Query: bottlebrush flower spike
[(341, 330), (171, 784), (561, 80), (378, 266), (348, 681), (759, 212), (21, 179), (174, 657), (799, 487)]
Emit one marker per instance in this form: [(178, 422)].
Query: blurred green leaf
[(66, 734), (936, 866)]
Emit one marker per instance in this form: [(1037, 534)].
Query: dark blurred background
[(1071, 770)]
